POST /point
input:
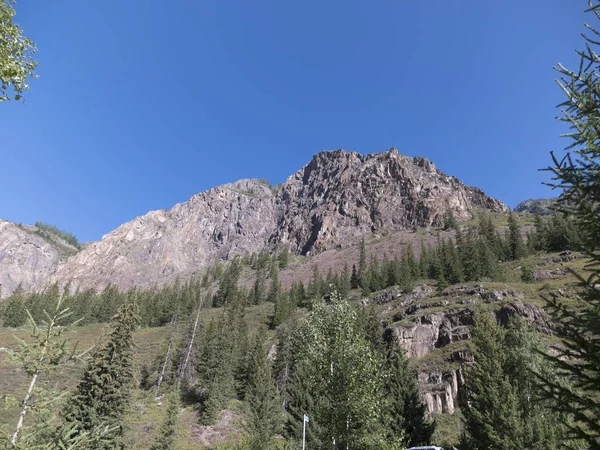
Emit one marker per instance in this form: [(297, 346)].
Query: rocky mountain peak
[(336, 197)]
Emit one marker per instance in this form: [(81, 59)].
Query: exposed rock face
[(542, 206), (427, 322), (337, 196), (341, 194), (227, 220), (26, 258)]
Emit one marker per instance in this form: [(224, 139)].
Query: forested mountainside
[(335, 198), (422, 300)]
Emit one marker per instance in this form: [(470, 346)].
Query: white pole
[(303, 433)]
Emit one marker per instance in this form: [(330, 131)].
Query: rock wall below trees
[(434, 330)]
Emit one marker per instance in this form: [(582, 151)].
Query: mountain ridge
[(337, 196)]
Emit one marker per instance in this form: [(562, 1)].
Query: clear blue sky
[(141, 104)]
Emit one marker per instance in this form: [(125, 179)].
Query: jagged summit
[(337, 196)]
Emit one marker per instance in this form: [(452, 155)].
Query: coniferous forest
[(478, 334)]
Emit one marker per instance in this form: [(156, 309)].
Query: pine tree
[(345, 282), (405, 412), (265, 418), (165, 438), (354, 278), (258, 288), (491, 420), (102, 396), (374, 277), (228, 287), (14, 314), (576, 175), (450, 221), (45, 353), (505, 361), (275, 286), (283, 257), (516, 246), (362, 266)]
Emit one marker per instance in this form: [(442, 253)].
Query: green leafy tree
[(17, 64), (102, 395), (343, 376)]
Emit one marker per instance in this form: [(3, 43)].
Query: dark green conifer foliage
[(505, 410), (315, 285), (265, 418), (410, 260), (516, 246), (451, 262), (354, 279), (405, 411), (492, 418), (165, 438), (215, 371), (344, 282), (228, 287), (259, 286), (14, 314), (374, 275), (301, 401), (102, 396), (283, 257), (275, 286), (362, 266), (577, 176), (450, 221), (527, 274)]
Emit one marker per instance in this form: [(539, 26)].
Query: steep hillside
[(28, 256), (337, 196)]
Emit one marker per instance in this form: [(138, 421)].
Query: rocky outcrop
[(26, 258), (441, 390), (342, 194), (541, 206), (426, 322), (336, 197)]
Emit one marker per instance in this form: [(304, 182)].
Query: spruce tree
[(491, 419), (14, 314), (405, 412), (505, 409), (265, 418), (101, 398), (165, 438), (576, 175), (345, 282), (354, 278), (362, 266), (275, 286), (516, 246)]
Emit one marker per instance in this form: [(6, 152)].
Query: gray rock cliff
[(336, 196)]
